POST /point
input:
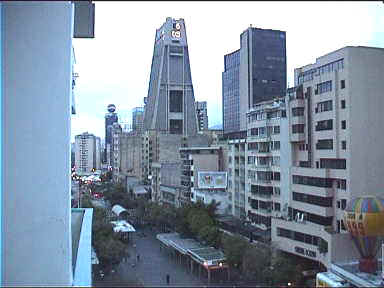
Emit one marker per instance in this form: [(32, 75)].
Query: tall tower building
[(255, 73), (85, 152), (170, 102), (138, 119), (110, 118), (230, 90), (201, 115)]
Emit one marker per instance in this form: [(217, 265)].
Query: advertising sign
[(212, 180)]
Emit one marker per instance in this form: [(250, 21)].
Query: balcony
[(312, 208), (313, 190), (297, 137), (81, 224)]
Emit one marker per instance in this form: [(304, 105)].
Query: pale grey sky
[(114, 67)]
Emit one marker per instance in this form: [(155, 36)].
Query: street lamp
[(289, 284)]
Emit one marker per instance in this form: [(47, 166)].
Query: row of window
[(298, 236), (308, 75), (266, 115), (333, 163), (323, 87), (298, 111), (298, 128), (312, 199), (264, 131), (319, 182)]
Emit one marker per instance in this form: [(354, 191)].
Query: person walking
[(168, 279), (138, 257)]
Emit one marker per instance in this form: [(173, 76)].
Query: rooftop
[(350, 272)]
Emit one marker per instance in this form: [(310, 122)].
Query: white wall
[(37, 74)]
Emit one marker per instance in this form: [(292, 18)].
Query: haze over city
[(115, 66)]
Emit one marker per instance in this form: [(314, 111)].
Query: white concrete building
[(236, 177), (98, 153), (263, 200), (86, 155), (38, 245), (334, 110)]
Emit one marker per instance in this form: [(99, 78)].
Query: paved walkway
[(154, 265)]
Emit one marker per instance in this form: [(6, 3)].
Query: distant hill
[(216, 127)]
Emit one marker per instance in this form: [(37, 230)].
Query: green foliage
[(197, 219), (234, 248)]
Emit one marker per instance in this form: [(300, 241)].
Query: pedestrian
[(138, 257), (168, 280)]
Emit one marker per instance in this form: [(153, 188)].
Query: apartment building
[(263, 200), (236, 176), (334, 151), (87, 156), (43, 242), (201, 115)]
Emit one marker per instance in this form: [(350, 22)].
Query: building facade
[(138, 120), (230, 91), (86, 154), (37, 66), (236, 177), (201, 115), (262, 171), (170, 102), (334, 110), (255, 73), (110, 118)]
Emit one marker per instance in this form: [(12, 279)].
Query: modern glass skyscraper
[(137, 119), (110, 118), (255, 73), (230, 90), (170, 103)]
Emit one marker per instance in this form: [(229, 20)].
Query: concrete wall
[(365, 141), (37, 80)]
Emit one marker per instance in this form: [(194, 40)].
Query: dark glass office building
[(110, 118), (230, 90), (258, 71), (170, 105)]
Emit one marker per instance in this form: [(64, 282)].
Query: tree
[(234, 248)]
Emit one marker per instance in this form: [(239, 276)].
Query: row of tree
[(258, 263), (109, 247)]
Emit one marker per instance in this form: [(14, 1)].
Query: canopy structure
[(122, 226), (117, 210)]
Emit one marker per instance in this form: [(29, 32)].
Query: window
[(343, 204), (325, 144), (324, 106), (276, 129), (175, 101), (342, 104), (324, 125), (298, 128), (344, 145), (297, 111), (342, 84), (344, 124), (324, 87), (338, 204), (333, 163)]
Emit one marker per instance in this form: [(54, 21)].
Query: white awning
[(117, 209), (122, 226)]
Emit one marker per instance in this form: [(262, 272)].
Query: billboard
[(212, 180)]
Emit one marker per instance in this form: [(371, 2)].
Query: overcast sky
[(114, 67)]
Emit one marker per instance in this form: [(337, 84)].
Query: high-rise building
[(334, 152), (86, 154), (231, 90), (201, 115), (98, 153), (138, 119), (255, 73), (262, 173), (170, 102), (43, 242), (110, 118)]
